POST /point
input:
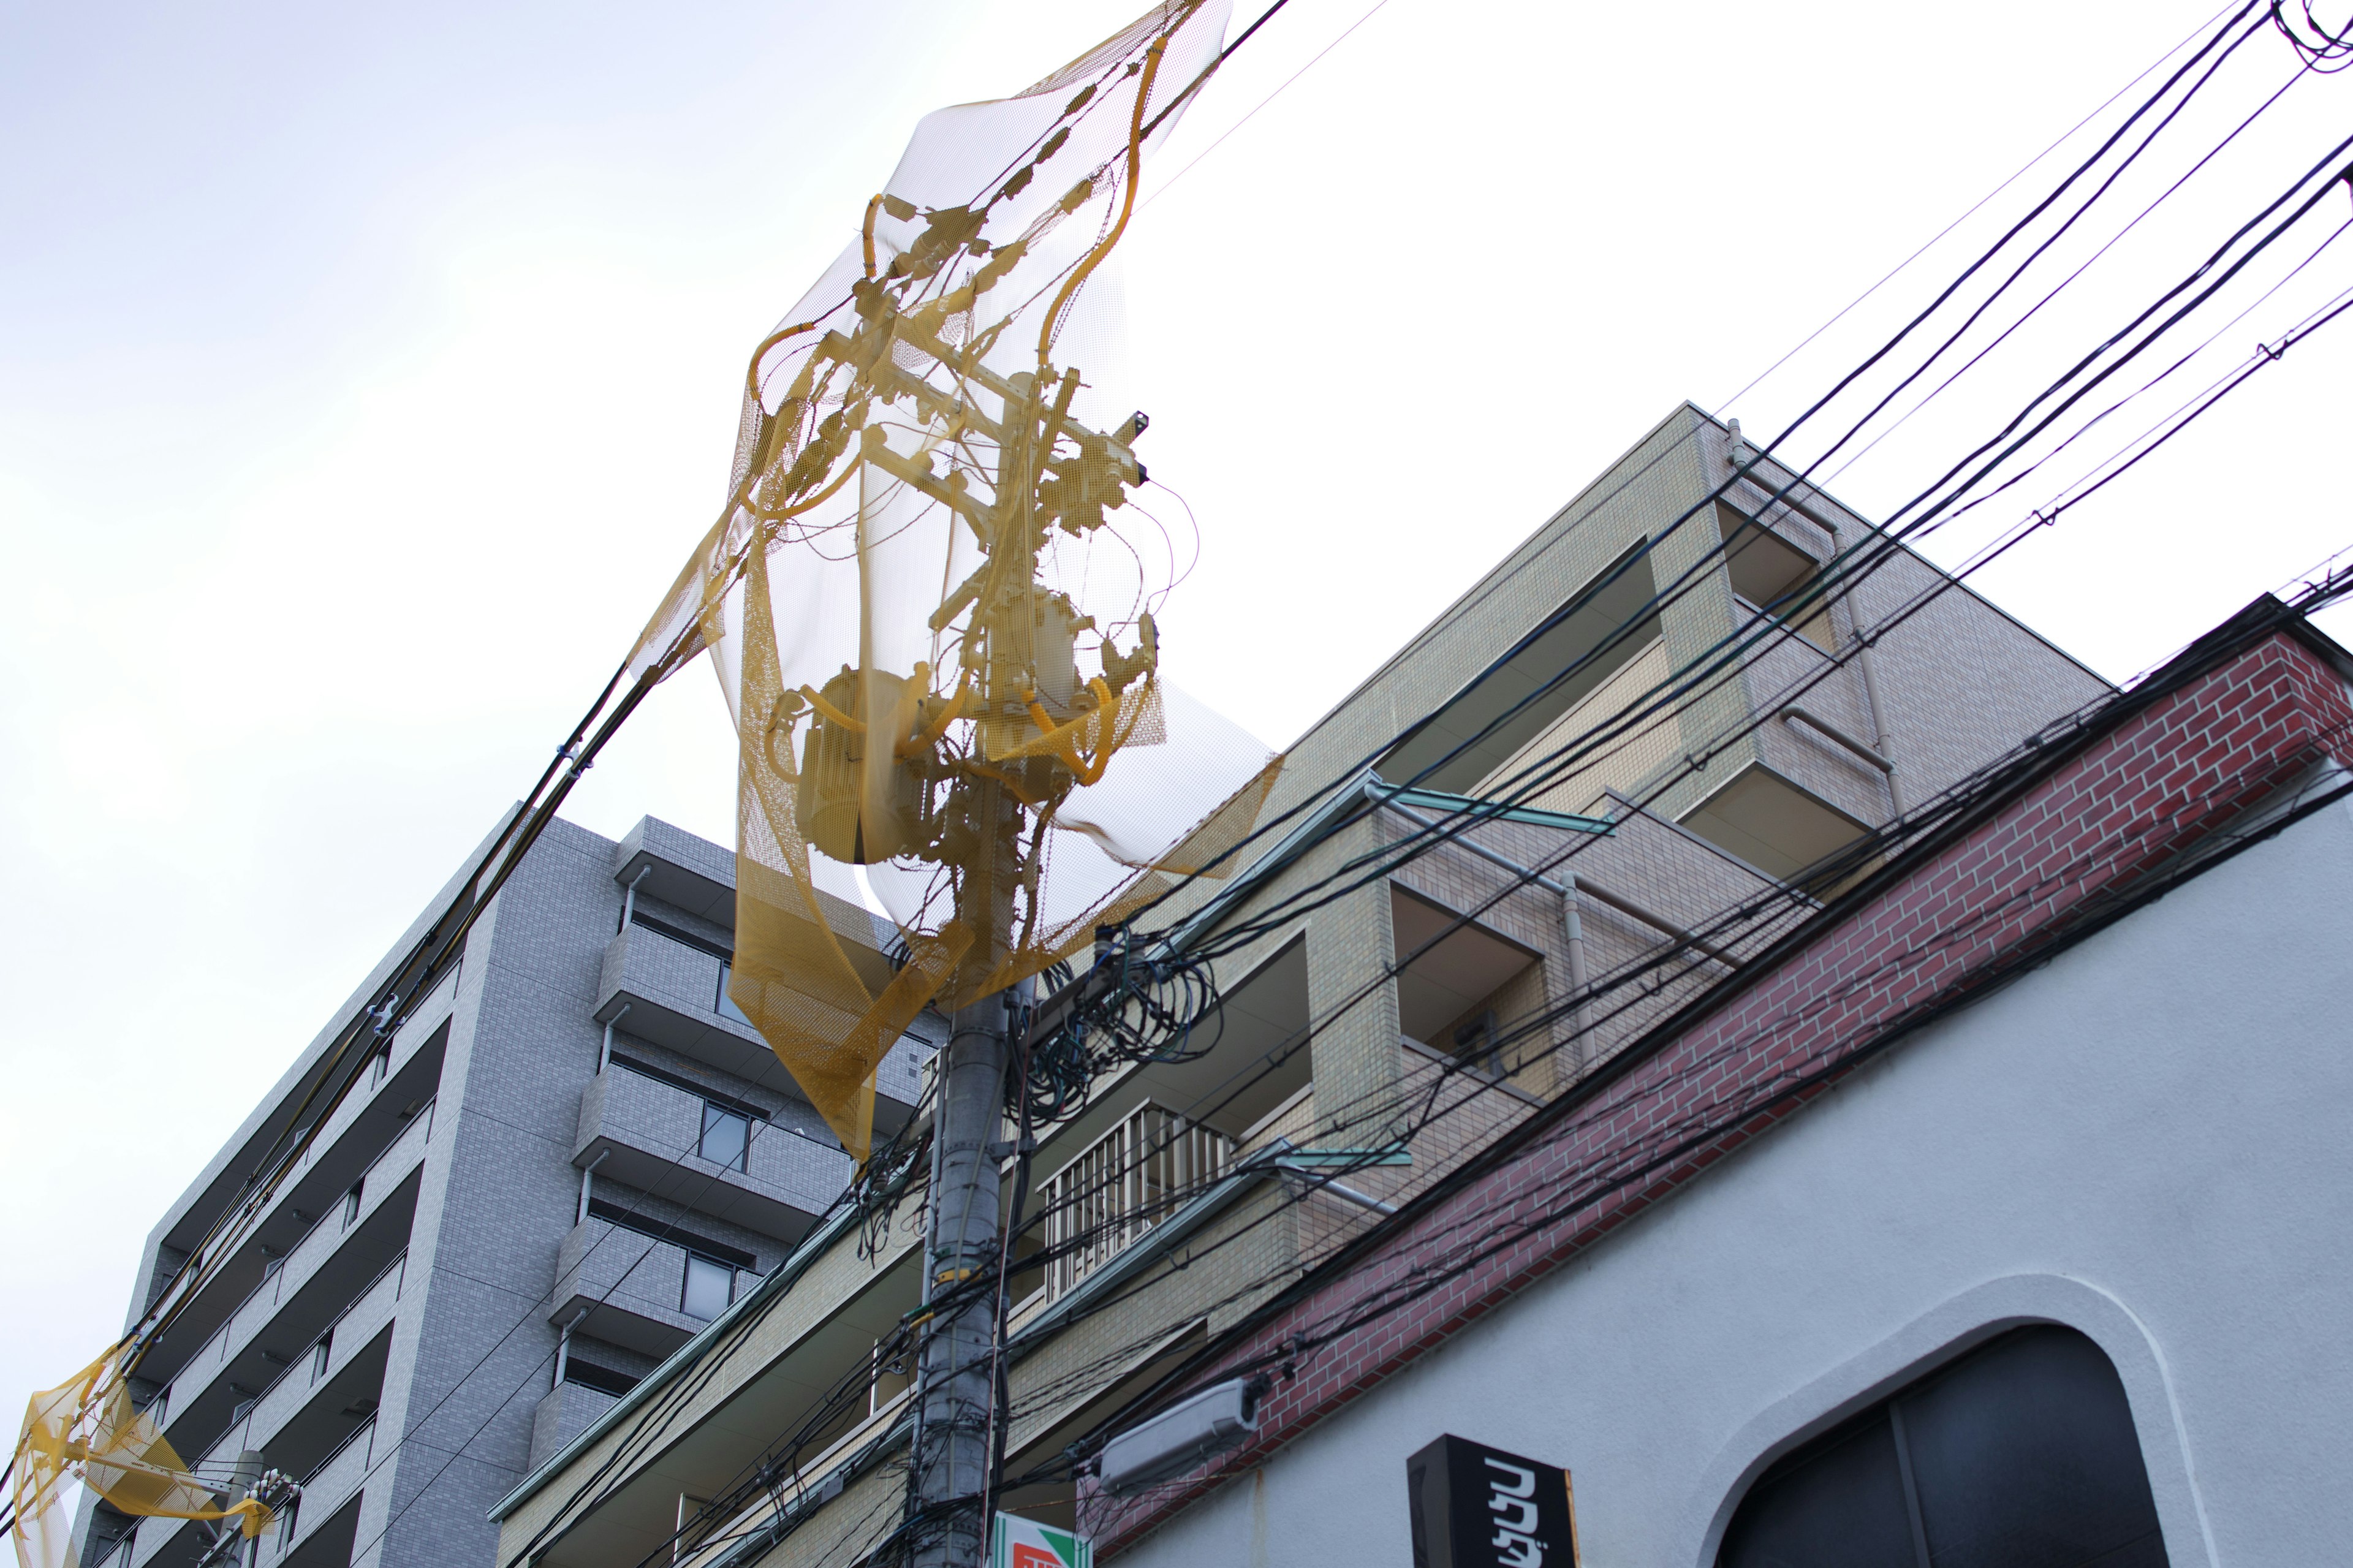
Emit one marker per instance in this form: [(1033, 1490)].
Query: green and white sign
[(1016, 1543)]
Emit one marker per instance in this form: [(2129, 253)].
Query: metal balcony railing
[(248, 1317), (1121, 1185)]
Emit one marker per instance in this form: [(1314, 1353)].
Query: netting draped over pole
[(930, 604), (921, 592)]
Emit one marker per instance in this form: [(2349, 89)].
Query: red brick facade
[(2162, 770)]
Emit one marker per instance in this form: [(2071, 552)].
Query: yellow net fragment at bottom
[(86, 1430)]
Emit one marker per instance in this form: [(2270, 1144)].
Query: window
[(320, 1354), (2020, 1455), (726, 1137), (1480, 1043), (379, 1067), (710, 1286), (725, 1004), (351, 1205), (628, 1218), (603, 1379)]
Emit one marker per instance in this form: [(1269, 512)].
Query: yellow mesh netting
[(85, 1428), (934, 633)]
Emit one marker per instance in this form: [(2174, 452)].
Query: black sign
[(1476, 1507)]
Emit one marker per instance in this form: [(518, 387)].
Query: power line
[(1973, 209), (1270, 98)]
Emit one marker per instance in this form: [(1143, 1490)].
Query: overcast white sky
[(364, 376)]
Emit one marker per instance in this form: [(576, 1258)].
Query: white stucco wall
[(2148, 1139)]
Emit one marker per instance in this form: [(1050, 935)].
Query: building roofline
[(1469, 596), (1800, 483), (308, 1060)]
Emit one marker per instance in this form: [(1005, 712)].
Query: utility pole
[(956, 1372)]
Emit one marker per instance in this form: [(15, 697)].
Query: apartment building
[(566, 1162), (1183, 1196)]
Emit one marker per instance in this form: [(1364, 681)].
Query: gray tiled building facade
[(571, 1156)]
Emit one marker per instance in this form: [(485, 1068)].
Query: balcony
[(328, 1515), (304, 1419), (567, 1410), (669, 987), (381, 1115), (652, 1135), (634, 1287), (1122, 1185), (283, 1317)]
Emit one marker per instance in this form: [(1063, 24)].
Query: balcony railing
[(775, 1178), (1121, 1185), (383, 1173), (286, 1394)]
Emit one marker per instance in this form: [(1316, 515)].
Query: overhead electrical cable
[(1973, 209)]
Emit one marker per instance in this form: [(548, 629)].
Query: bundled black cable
[(1133, 1004)]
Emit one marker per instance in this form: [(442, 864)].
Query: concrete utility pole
[(955, 1374)]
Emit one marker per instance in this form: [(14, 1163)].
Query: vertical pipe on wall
[(563, 1347), (1863, 642), (587, 1185), (1579, 976), (630, 898)]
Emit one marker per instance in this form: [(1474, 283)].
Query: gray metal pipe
[(1794, 714)]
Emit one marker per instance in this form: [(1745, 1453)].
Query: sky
[(366, 374)]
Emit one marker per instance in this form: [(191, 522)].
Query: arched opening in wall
[(2022, 1454)]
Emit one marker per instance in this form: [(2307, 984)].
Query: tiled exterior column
[(1695, 627), (1352, 945)]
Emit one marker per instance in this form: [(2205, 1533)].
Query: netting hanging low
[(86, 1429), (930, 600)]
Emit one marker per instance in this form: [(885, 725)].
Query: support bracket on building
[(1793, 714)]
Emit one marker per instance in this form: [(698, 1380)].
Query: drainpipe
[(1579, 978), (587, 1180), (1878, 719), (564, 1348), (605, 1051), (630, 898), (1863, 641)]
